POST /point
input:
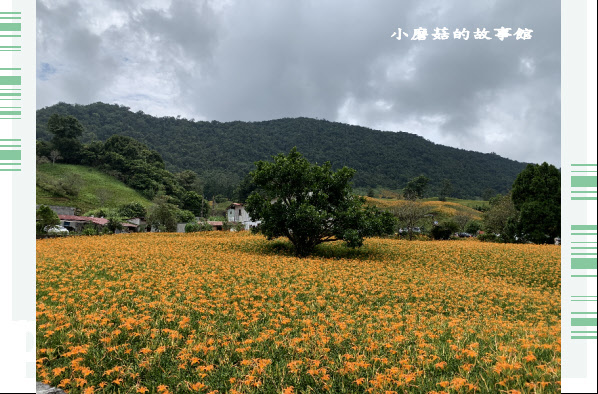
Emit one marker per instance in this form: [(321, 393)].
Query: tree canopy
[(66, 131), (536, 195), (416, 188), (311, 204)]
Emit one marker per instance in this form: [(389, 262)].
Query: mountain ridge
[(223, 152)]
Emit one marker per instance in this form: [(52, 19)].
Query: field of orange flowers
[(233, 313)]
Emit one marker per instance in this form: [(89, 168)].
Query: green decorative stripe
[(583, 198), (584, 227), (10, 27), (10, 80), (10, 155), (10, 112), (583, 181), (18, 139), (10, 164), (583, 264), (583, 276), (11, 13), (4, 35), (584, 165), (584, 233), (583, 254), (584, 337), (10, 146), (11, 94), (10, 169), (584, 321), (9, 69), (583, 191)]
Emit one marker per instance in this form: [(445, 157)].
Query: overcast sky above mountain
[(258, 60)]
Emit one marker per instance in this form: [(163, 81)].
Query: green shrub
[(444, 230), (194, 227), (89, 229), (489, 237), (184, 216), (132, 210)]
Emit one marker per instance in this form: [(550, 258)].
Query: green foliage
[(114, 223), (502, 212), (446, 190), (462, 221), (45, 217), (488, 193), (132, 210), (473, 227), (138, 166), (489, 237), (194, 227), (444, 230), (89, 229), (69, 185), (66, 131), (103, 212), (411, 214), (536, 195), (227, 150), (416, 187), (93, 184), (234, 226), (163, 215), (311, 204), (189, 181), (195, 203), (245, 188), (184, 216)]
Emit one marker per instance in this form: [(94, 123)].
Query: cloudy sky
[(337, 60)]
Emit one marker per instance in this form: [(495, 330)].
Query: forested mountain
[(223, 153)]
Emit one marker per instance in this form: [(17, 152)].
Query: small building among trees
[(236, 213)]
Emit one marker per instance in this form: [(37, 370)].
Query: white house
[(236, 213)]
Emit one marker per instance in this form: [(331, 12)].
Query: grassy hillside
[(440, 209), (88, 187)]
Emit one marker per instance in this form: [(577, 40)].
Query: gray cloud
[(259, 60)]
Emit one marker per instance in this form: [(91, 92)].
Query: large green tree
[(45, 218), (501, 218), (66, 131), (410, 214), (416, 188), (311, 204), (536, 195)]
